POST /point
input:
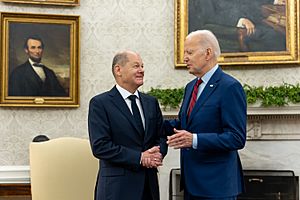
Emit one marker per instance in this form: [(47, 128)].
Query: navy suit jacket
[(116, 141), (24, 81), (219, 120)]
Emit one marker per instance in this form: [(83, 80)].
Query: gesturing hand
[(181, 139)]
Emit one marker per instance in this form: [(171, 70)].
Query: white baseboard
[(15, 174)]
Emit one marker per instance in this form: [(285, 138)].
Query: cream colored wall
[(108, 26)]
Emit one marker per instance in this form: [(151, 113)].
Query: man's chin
[(190, 71), (140, 83)]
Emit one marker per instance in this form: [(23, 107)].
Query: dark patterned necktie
[(194, 96), (136, 113)]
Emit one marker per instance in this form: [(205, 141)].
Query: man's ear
[(117, 70), (26, 50), (208, 54)]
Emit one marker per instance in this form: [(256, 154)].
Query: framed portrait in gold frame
[(256, 32), (40, 60), (46, 2)]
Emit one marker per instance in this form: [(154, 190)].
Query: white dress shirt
[(125, 94), (39, 70)]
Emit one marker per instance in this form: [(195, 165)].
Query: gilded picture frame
[(46, 2), (280, 20), (40, 60)]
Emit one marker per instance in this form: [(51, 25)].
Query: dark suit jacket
[(24, 81), (116, 141), (219, 120)]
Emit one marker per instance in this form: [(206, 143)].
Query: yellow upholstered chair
[(62, 169)]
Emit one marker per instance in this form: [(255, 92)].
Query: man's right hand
[(151, 158), (247, 23)]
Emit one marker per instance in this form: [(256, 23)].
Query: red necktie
[(194, 96)]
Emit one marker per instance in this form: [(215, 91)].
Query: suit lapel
[(206, 93), (120, 103), (35, 79), (146, 106)]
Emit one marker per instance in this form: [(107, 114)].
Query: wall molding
[(15, 174), (291, 111)]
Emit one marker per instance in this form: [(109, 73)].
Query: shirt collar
[(124, 93), (205, 78)]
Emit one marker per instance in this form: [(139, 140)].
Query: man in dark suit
[(125, 130), (32, 78), (211, 124)]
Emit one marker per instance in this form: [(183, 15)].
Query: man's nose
[(185, 59), (141, 68)]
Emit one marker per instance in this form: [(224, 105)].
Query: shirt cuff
[(240, 23), (195, 141)]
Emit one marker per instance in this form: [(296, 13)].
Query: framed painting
[(254, 32), (40, 60), (46, 2)]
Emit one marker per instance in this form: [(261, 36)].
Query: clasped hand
[(180, 139), (152, 158)]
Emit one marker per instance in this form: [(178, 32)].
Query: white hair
[(207, 39)]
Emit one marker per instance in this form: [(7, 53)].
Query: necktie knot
[(199, 81), (38, 64), (132, 97)]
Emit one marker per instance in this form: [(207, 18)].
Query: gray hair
[(119, 59)]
